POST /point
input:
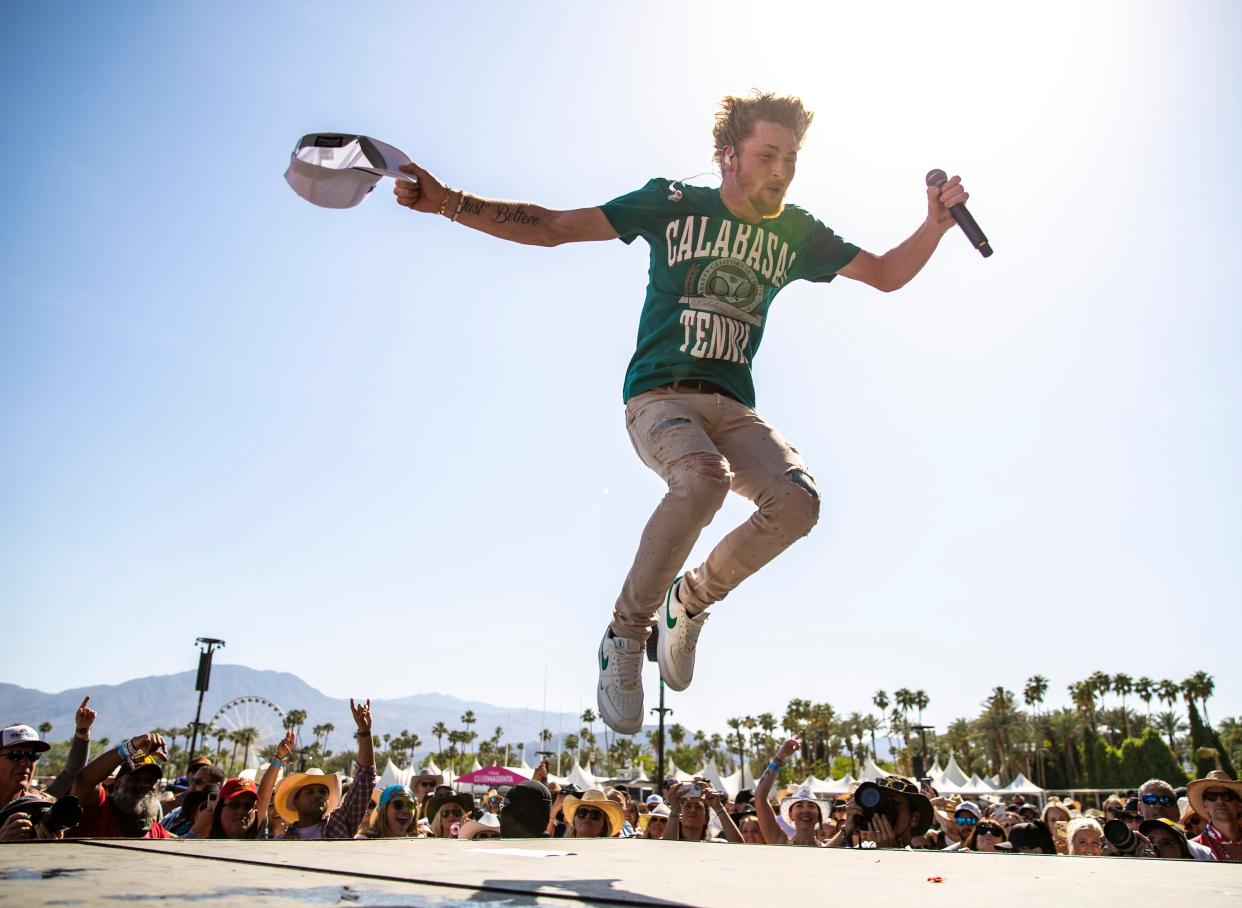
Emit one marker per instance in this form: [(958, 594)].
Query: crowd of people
[(123, 793)]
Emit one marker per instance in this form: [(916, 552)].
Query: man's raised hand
[(426, 195), (362, 714), (84, 718), (941, 198), (285, 746), (151, 743)]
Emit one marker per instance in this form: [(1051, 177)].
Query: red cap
[(238, 786)]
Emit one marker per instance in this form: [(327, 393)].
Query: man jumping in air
[(718, 259)]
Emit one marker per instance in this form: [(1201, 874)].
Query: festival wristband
[(276, 761), (775, 766)]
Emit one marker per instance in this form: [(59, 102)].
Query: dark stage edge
[(609, 872)]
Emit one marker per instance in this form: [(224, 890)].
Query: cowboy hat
[(463, 800), (1214, 779), (802, 794), (285, 791), (470, 829), (918, 803), (660, 810), (595, 797)]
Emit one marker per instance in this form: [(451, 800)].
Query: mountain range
[(164, 701)]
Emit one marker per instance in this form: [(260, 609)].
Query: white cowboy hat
[(294, 781), (802, 794), (595, 797)]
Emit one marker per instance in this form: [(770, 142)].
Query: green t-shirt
[(711, 281)]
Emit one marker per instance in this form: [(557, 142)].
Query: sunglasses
[(965, 821), (451, 813), (1207, 795), (1166, 800), (589, 813), (427, 784), (988, 829), (18, 755), (401, 804)]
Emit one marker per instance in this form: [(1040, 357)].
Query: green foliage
[(1131, 764), (1206, 747)]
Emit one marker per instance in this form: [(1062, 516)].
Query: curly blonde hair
[(735, 121)]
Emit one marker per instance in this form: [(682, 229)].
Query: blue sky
[(388, 454)]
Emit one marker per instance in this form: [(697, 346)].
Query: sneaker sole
[(662, 642), (605, 712)]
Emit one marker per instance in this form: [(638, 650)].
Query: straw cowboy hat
[(1215, 779), (595, 797), (660, 810), (802, 794), (471, 829), (283, 801), (463, 800)]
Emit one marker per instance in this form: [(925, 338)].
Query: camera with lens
[(54, 816), (874, 799), (1121, 840)]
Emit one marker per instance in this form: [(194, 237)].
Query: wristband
[(362, 734), (276, 761), (775, 765), (448, 193), (461, 201)]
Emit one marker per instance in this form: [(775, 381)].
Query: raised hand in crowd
[(131, 809), (83, 719), (366, 744), (772, 832)]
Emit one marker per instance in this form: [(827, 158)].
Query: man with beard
[(718, 259), (131, 809)]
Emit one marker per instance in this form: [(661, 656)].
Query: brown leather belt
[(697, 384)]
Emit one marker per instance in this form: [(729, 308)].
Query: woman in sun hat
[(485, 827), (393, 817), (446, 812), (652, 824), (593, 816), (1218, 799)]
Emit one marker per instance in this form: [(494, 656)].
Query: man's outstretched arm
[(895, 268), (518, 222)]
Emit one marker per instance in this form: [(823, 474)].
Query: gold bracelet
[(448, 193)]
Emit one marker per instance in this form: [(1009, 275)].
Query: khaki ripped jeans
[(704, 445)]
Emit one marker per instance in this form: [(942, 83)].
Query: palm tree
[(736, 725), (1033, 696), (920, 703), (1172, 724), (296, 718), (1146, 689), (904, 699), (247, 737), (767, 722), (439, 730), (999, 720), (1102, 683), (468, 719), (589, 718), (44, 728), (1200, 686), (413, 742), (871, 725), (1123, 686), (880, 699), (1082, 693)]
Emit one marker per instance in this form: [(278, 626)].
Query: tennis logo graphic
[(721, 312)]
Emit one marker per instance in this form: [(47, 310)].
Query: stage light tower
[(209, 645)]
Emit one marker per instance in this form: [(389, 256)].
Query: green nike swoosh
[(603, 662), (668, 609)]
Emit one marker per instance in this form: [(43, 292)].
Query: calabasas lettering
[(765, 251)]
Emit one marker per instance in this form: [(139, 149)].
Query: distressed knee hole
[(703, 465), (802, 479), (671, 423)]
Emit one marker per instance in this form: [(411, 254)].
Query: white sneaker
[(678, 636), (620, 692)]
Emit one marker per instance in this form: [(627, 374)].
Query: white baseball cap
[(23, 734), (336, 170)]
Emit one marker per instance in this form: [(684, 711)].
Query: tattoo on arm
[(513, 214)]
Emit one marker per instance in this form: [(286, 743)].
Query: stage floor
[(594, 872)]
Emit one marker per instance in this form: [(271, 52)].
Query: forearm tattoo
[(499, 212)]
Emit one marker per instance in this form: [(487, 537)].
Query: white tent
[(936, 769), (1023, 786), (583, 778), (734, 783), (672, 771), (976, 787), (952, 778), (394, 775), (871, 771), (430, 767), (712, 774), (995, 781), (826, 788)]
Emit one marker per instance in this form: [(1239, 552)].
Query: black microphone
[(964, 220)]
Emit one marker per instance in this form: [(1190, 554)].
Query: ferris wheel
[(258, 713)]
